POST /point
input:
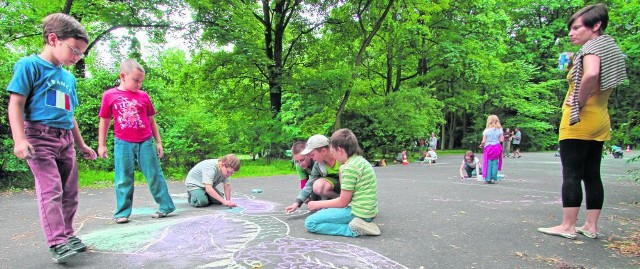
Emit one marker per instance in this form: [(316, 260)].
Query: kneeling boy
[(203, 179)]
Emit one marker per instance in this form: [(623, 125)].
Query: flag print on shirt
[(58, 99)]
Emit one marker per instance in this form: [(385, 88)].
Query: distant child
[(135, 130), (433, 140), (401, 156), (352, 213), (41, 105), (515, 142), (324, 177), (492, 138), (304, 163), (470, 166), (203, 179), (430, 156)]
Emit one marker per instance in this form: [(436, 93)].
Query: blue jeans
[(125, 156), (492, 170), (332, 221)]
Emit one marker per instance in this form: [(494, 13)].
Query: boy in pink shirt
[(135, 130)]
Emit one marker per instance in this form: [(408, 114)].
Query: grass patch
[(262, 168), (102, 179), (259, 168)]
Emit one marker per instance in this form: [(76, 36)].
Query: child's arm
[(103, 128), (342, 201), (213, 193), (85, 150), (21, 147), (227, 191), (304, 194), (156, 136), (462, 172), (484, 140)]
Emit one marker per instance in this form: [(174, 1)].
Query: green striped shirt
[(358, 176)]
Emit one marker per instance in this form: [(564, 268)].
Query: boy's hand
[(230, 204), (87, 152), (314, 206), (160, 150), (102, 152), (24, 150), (291, 208)]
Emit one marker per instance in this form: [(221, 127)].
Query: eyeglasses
[(75, 51), (229, 172), (300, 161)]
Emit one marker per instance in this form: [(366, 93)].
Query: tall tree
[(283, 25), (364, 13)]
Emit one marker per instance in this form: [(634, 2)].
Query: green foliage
[(263, 167), (391, 123)]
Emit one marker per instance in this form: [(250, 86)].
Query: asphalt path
[(429, 217)]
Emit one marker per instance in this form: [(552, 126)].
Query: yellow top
[(594, 117)]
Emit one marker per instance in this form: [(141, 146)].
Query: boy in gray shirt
[(203, 179)]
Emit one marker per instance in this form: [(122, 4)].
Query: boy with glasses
[(205, 176), (324, 177), (304, 164), (41, 105)]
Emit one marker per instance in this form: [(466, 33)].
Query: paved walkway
[(430, 218)]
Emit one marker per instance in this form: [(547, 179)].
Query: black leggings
[(581, 162)]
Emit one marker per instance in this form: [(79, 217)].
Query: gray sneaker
[(76, 244), (61, 253), (361, 227)]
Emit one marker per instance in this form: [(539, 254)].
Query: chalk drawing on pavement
[(248, 236)]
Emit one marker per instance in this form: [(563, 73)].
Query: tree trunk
[(452, 129), (363, 47)]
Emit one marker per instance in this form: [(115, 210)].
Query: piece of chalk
[(257, 190)]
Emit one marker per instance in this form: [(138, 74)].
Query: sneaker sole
[(366, 227), (65, 258), (79, 250)]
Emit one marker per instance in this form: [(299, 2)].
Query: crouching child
[(352, 213)]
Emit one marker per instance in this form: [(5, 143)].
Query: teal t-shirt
[(50, 91)]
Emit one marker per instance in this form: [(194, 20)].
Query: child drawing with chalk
[(304, 163), (204, 177), (352, 213), (323, 179)]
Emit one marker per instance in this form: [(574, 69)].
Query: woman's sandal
[(586, 233), (122, 220), (159, 215)]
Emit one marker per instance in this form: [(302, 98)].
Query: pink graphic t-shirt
[(130, 112)]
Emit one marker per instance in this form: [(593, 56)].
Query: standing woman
[(598, 68)]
